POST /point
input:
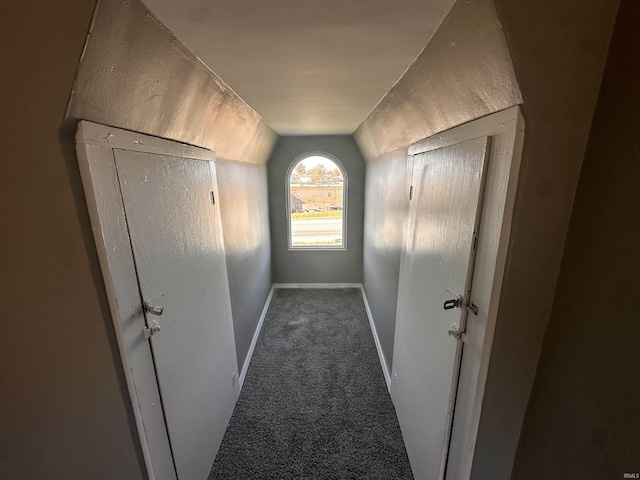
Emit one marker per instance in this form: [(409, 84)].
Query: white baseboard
[(247, 360), (317, 285), (383, 363)]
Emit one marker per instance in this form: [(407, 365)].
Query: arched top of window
[(317, 190)]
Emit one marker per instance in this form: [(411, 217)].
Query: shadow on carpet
[(314, 404)]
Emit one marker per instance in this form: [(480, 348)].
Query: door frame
[(506, 132), (95, 145)]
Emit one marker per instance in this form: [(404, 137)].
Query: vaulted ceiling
[(307, 67)]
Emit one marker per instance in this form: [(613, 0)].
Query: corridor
[(314, 403)]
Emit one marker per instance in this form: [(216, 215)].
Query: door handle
[(152, 309)]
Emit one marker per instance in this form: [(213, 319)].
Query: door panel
[(177, 247), (437, 266)]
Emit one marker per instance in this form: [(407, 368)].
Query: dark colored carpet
[(314, 403)]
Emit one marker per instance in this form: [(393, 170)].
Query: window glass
[(317, 191)]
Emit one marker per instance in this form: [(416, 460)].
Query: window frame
[(288, 193)]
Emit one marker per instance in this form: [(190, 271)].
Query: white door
[(437, 267), (179, 260)]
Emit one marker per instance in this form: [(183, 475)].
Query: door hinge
[(411, 192), (475, 241), (213, 198)]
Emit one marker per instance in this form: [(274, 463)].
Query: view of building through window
[(316, 204)]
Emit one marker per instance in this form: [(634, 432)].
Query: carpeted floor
[(314, 404)]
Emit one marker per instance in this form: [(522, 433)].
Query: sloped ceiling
[(307, 67)]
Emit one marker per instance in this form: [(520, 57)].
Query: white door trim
[(95, 145), (506, 129)]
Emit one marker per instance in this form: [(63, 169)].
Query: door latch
[(453, 303), (152, 309), (154, 326), (457, 303)]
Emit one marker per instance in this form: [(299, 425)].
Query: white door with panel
[(436, 272), (177, 247)]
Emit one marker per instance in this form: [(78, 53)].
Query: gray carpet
[(314, 404)]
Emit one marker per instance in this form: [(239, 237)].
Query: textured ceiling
[(306, 66)]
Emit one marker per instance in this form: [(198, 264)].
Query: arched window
[(316, 210)]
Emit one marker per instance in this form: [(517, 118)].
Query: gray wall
[(558, 52), (64, 406), (316, 266), (172, 95), (582, 419), (243, 200), (464, 72)]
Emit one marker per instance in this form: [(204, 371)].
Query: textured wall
[(64, 404), (557, 51), (582, 419), (463, 73), (135, 75), (171, 94), (316, 266)]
